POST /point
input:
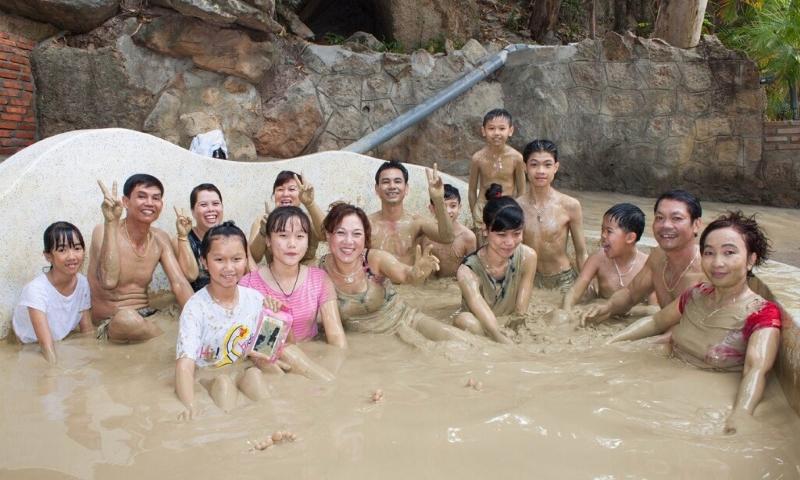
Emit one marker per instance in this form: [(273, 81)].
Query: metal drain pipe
[(424, 109)]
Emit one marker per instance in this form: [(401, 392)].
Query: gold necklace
[(349, 278), (130, 242), (620, 274), (664, 274), (728, 304)]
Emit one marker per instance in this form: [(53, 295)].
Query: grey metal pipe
[(444, 96)]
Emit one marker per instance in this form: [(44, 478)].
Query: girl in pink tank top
[(306, 292)]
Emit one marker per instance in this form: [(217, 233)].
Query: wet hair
[(336, 215), (451, 193), (753, 235), (540, 146), (389, 165), (692, 203), (62, 234), (280, 217), (224, 229), (497, 113), (629, 217), (283, 178), (142, 179), (203, 187), (501, 212)]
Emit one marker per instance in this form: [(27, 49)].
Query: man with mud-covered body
[(123, 256), (396, 231), (671, 268)]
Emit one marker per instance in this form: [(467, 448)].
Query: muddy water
[(562, 405)]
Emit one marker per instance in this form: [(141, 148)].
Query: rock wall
[(638, 116), (629, 114)]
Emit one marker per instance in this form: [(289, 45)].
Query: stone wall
[(638, 116), (780, 163)]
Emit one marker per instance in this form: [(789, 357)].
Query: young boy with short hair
[(495, 163), (450, 255), (618, 260)]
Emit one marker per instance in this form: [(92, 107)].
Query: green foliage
[(434, 45), (515, 21), (333, 38), (391, 46), (769, 32)]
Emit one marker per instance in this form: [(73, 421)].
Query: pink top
[(303, 303)]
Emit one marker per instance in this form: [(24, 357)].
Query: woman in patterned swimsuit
[(723, 325), (362, 277)]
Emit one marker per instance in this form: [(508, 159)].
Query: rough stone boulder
[(415, 22), (198, 101), (290, 122), (254, 14), (221, 50), (77, 16), (112, 86)]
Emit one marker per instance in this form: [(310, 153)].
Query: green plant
[(434, 45), (391, 46), (333, 38), (515, 21), (772, 38)]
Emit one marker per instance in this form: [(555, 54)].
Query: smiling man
[(123, 256), (672, 267), (396, 231)]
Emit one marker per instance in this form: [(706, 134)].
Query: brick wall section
[(784, 135), (17, 122)]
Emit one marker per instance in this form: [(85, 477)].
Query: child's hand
[(273, 304), (435, 183), (191, 412)]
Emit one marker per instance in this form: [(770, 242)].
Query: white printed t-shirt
[(63, 313), (210, 336)]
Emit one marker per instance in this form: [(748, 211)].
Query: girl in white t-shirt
[(221, 323), (56, 302)]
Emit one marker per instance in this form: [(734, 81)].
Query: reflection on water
[(561, 405)]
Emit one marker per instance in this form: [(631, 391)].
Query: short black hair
[(497, 113), (501, 212), (629, 217), (141, 179), (283, 177), (450, 193), (203, 187), (389, 165), (539, 145), (224, 229), (692, 203)]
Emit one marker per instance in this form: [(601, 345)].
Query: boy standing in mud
[(551, 217), (495, 163)]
